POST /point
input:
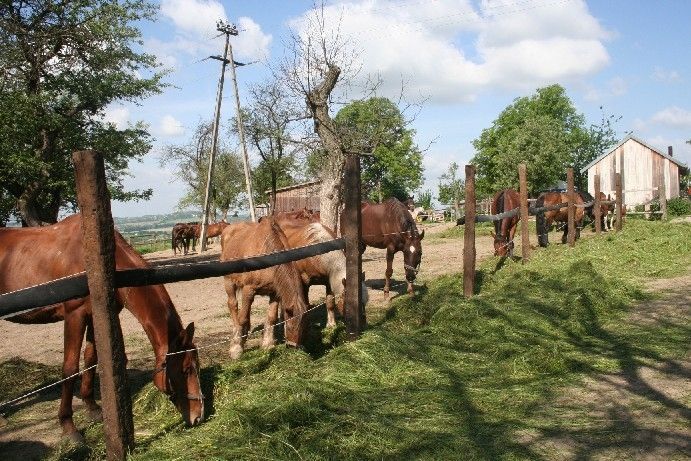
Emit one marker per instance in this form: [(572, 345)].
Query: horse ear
[(188, 333), (422, 234)]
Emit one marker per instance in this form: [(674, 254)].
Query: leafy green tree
[(63, 63), (425, 199), (376, 125), (543, 131), (191, 165), (451, 188)]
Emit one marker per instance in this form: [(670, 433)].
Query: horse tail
[(541, 223)]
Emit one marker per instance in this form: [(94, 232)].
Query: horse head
[(178, 377), (502, 246), (412, 254)]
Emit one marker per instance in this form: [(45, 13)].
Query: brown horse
[(505, 229), (328, 269), (389, 225), (545, 219), (282, 283), (181, 235), (34, 255)]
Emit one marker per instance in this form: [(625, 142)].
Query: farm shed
[(297, 197), (643, 168)]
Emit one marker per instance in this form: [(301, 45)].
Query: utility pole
[(241, 131), (228, 30)]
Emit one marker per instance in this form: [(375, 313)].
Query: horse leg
[(87, 386), (74, 324), (231, 290), (566, 231), (389, 270), (270, 324), (243, 322), (330, 307)]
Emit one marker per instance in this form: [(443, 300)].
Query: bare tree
[(318, 58), (190, 162), (268, 123)]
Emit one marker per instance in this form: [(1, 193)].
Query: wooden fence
[(524, 211), (100, 281)]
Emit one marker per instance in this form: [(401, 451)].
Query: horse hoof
[(75, 437), (235, 351), (95, 414)]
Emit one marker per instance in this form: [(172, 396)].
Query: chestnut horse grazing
[(505, 229), (282, 283), (328, 269), (545, 219), (34, 255), (389, 225)]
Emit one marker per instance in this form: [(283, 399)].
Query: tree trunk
[(272, 204), (33, 211), (324, 126)]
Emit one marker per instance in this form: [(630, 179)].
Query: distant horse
[(389, 225), (34, 255), (505, 229), (282, 283), (328, 269), (212, 230), (544, 219), (181, 235)]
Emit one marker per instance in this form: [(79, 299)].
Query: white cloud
[(618, 86), (171, 127), (450, 51), (674, 117), (196, 16), (195, 23), (663, 75), (118, 116)]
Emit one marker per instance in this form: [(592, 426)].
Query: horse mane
[(400, 213), (286, 274)]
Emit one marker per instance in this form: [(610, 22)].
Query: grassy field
[(437, 376)]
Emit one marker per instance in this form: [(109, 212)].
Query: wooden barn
[(297, 197), (643, 168)]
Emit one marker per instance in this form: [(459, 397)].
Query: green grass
[(482, 229), (439, 377)]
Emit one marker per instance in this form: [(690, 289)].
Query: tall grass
[(439, 377)]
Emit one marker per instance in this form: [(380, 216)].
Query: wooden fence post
[(663, 199), (571, 210), (469, 233), (352, 233), (597, 207), (620, 200), (99, 260), (523, 187)]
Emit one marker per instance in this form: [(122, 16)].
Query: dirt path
[(33, 429)]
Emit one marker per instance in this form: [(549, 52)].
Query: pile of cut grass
[(441, 377)]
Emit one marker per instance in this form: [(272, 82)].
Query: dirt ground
[(32, 429)]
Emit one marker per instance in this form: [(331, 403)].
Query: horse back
[(246, 239)]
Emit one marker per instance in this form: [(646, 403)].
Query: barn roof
[(295, 186), (620, 143)]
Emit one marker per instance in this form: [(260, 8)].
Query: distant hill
[(158, 223)]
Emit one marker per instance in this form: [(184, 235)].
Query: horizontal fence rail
[(75, 286), (532, 211)]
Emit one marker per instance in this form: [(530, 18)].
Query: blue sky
[(467, 59)]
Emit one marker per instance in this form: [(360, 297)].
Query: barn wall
[(298, 198), (644, 170)]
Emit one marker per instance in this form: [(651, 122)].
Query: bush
[(679, 206)]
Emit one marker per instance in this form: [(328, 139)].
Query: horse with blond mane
[(328, 269)]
